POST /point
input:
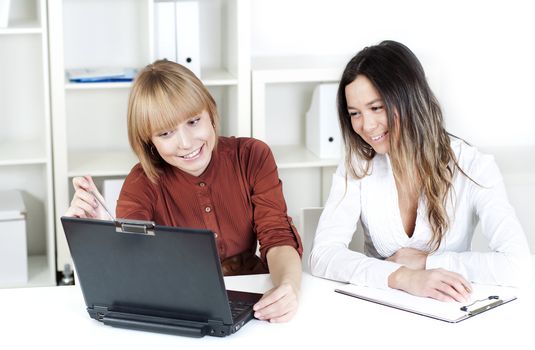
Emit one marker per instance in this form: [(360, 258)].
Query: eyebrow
[(368, 104)]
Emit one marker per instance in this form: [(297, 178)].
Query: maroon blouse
[(238, 197)]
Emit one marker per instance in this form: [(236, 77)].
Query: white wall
[(479, 55)]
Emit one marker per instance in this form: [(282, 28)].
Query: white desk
[(55, 317)]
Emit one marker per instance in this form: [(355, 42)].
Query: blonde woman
[(418, 191), (189, 176)]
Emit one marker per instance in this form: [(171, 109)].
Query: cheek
[(211, 138), (161, 147), (356, 124)]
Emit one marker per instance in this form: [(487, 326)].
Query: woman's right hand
[(84, 203), (438, 284)]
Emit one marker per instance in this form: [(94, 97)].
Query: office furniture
[(89, 120), (55, 317), (25, 135)]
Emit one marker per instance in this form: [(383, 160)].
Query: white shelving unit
[(89, 120), (25, 132), (282, 90)]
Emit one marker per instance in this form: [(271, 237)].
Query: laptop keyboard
[(237, 307)]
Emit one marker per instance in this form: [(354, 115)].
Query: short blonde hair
[(163, 95)]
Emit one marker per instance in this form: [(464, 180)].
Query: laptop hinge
[(195, 332), (151, 323), (98, 312), (138, 227)]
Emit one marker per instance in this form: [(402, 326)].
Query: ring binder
[(465, 308)]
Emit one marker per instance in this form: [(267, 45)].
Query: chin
[(381, 150)]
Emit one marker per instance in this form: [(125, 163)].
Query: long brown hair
[(164, 94), (420, 147)]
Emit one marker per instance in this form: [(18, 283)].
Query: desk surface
[(55, 317)]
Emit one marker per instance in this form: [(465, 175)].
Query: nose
[(368, 122), (183, 139)]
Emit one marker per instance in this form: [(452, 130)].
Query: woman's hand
[(410, 257), (438, 284), (84, 204), (278, 304)]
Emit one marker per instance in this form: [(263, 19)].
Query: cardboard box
[(13, 246)]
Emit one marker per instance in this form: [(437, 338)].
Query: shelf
[(218, 77), (22, 27), (22, 153), (211, 77), (125, 37), (295, 156), (292, 69), (97, 86), (38, 273), (101, 163)]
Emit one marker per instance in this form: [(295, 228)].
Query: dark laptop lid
[(171, 271)]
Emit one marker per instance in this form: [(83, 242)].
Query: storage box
[(13, 247)]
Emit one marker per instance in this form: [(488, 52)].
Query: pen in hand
[(102, 204)]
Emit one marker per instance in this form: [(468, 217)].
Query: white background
[(479, 56)]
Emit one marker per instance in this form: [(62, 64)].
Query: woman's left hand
[(278, 304), (410, 257)]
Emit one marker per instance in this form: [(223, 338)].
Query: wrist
[(396, 278)]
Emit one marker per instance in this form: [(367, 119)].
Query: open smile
[(193, 155), (379, 137)]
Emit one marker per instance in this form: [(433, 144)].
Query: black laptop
[(138, 275)]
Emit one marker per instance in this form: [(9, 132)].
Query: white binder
[(187, 35), (165, 30), (176, 31), (323, 136), (4, 13)]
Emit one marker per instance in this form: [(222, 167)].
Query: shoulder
[(467, 155), (241, 143), (137, 180), (244, 148), (476, 164), (378, 165)]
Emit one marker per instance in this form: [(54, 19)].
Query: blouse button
[(207, 209), (202, 184)]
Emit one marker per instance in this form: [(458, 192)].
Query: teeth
[(192, 154), (376, 138)]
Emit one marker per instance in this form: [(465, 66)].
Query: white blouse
[(373, 200)]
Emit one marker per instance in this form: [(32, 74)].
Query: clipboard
[(484, 298)]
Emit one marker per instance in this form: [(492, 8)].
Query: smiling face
[(368, 114), (189, 145)]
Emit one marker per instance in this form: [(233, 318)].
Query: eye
[(377, 108), (165, 133), (194, 121), (354, 114)]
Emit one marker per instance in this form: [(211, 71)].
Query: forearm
[(285, 266)]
